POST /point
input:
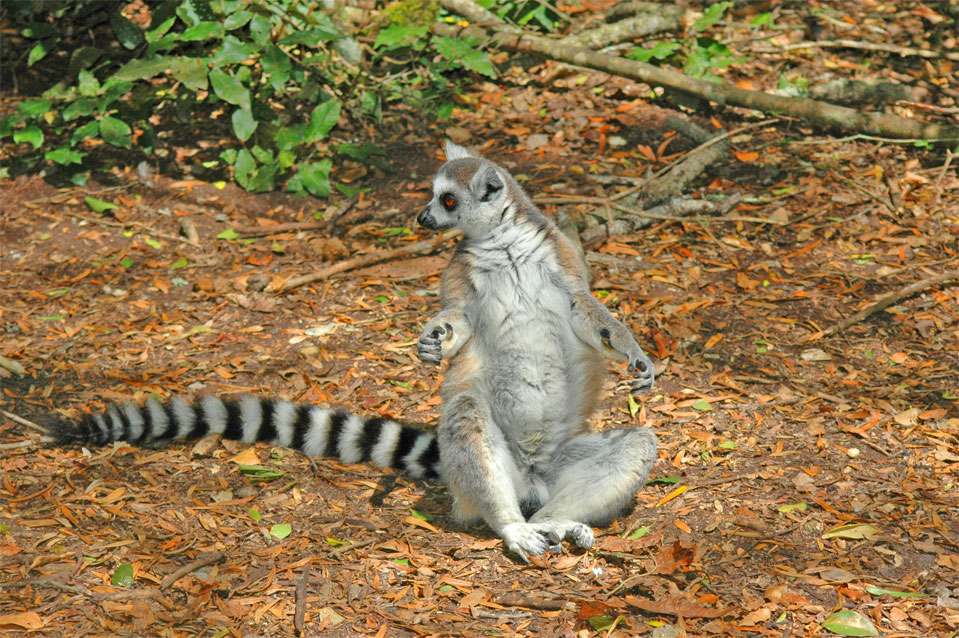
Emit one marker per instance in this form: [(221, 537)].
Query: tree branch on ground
[(893, 298), (820, 114)]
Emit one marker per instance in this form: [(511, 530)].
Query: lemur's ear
[(491, 185), (455, 151)]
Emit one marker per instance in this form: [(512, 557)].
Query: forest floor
[(801, 471)]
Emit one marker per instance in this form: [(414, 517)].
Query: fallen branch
[(818, 113), (893, 298), (366, 260), (202, 560), (299, 610), (654, 18), (855, 44)]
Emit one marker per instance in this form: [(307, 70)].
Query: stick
[(299, 610), (892, 298), (202, 560), (855, 44), (22, 421), (366, 260)]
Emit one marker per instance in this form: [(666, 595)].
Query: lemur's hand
[(642, 369), (431, 341)]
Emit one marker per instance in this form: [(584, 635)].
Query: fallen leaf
[(24, 619)]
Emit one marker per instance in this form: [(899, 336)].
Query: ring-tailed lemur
[(524, 339)]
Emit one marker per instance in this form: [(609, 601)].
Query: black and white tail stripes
[(315, 431)]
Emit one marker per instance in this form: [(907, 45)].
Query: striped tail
[(313, 430)]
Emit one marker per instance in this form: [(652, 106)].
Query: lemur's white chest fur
[(529, 358)]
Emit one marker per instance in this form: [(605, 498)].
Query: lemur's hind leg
[(483, 476), (592, 478)]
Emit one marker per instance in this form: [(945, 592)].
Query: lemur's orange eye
[(448, 201)]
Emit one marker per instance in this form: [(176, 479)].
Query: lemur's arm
[(445, 334), (592, 321)]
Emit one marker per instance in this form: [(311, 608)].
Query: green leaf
[(402, 561), (847, 622), (236, 20), (661, 51), (116, 132), (312, 178), (31, 135), (711, 16), (258, 472), (335, 542), (792, 507), (323, 118), (423, 516), (126, 263), (281, 530), (127, 33), (122, 576), (88, 84), (633, 404), (396, 34), (276, 67), (34, 109), (288, 137), (228, 234), (90, 129), (312, 37), (702, 405), (854, 531), (229, 89), (895, 593), (666, 480), (155, 34), (233, 51), (80, 108), (65, 156), (192, 72), (381, 298), (639, 532), (254, 514), (38, 52), (152, 243), (243, 124), (242, 167), (52, 318), (601, 622), (143, 68), (98, 205), (203, 31), (179, 263), (462, 53)]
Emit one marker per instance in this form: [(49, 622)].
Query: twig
[(367, 260), (300, 609), (892, 298), (548, 604), (202, 560), (27, 443), (855, 44), (22, 421), (274, 229), (945, 167)]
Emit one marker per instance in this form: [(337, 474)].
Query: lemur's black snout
[(426, 220)]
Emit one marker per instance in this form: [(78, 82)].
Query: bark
[(624, 30), (820, 114)]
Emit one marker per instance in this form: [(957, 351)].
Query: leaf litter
[(807, 481)]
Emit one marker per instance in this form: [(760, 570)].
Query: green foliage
[(526, 13), (703, 55), (273, 77)]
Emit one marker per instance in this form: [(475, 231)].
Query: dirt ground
[(802, 471)]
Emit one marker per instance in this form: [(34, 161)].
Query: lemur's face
[(469, 193)]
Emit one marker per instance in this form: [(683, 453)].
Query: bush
[(281, 72)]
